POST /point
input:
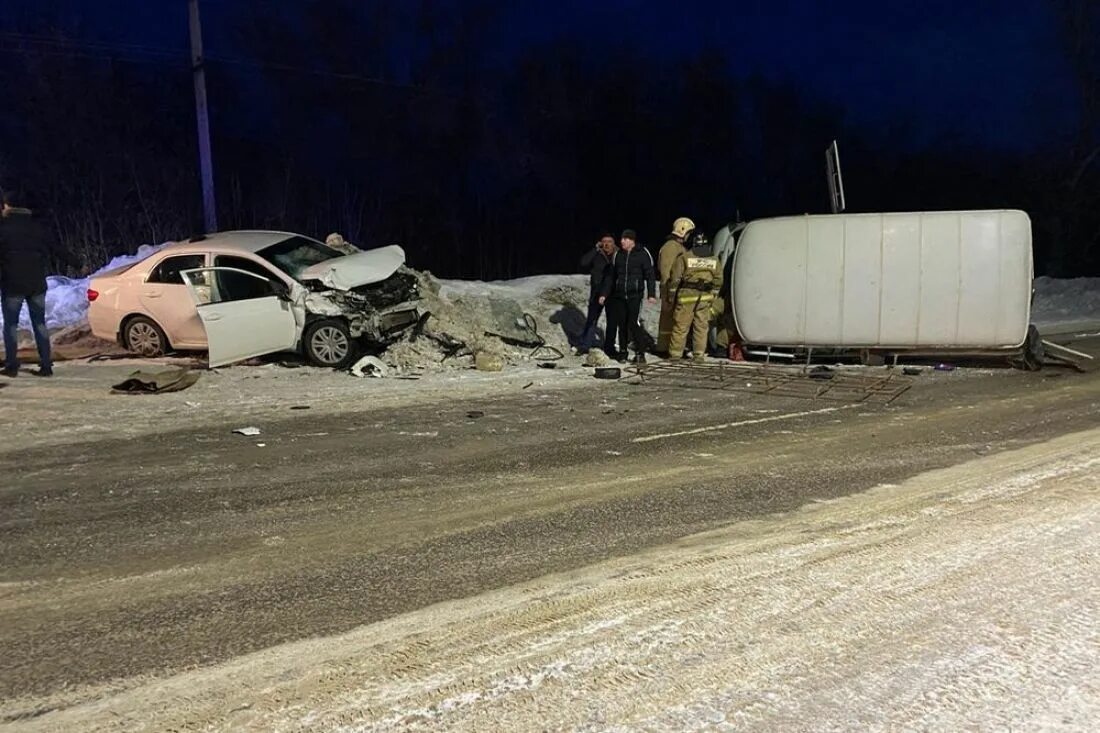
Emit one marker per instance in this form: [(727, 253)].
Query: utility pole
[(206, 164)]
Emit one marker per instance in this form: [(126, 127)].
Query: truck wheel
[(1031, 358), (144, 337), (328, 343)]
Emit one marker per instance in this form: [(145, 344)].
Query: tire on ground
[(142, 336), (328, 343), (1033, 351)]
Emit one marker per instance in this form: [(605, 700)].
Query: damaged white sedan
[(243, 294)]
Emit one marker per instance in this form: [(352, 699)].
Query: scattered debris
[(463, 319), (608, 372), (547, 365), (486, 362), (475, 414), (168, 380), (261, 445), (596, 358), (529, 384), (370, 366), (299, 407), (821, 372), (431, 434), (248, 432)]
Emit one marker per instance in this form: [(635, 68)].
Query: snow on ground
[(961, 599), (1066, 301)]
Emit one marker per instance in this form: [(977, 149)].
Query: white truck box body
[(920, 280)]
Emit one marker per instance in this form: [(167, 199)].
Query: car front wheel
[(328, 343), (144, 337)]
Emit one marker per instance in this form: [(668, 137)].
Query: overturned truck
[(916, 283)]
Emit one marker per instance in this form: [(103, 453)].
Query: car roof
[(250, 241)]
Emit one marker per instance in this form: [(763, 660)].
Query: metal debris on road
[(167, 380)]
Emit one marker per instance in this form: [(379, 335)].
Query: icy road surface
[(962, 598)]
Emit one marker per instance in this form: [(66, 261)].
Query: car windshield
[(296, 254)]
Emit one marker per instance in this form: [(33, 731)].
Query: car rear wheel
[(328, 343), (144, 337)]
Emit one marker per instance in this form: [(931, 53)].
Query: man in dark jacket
[(595, 262), (631, 278), (24, 260)]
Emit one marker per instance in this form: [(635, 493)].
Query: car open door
[(244, 315)]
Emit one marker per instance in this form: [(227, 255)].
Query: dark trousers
[(36, 306), (624, 321), (588, 336)]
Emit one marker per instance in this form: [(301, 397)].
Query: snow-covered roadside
[(1063, 304), (74, 406)]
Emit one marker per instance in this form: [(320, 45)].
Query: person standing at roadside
[(596, 263), (631, 279), (697, 277), (24, 261), (673, 248)]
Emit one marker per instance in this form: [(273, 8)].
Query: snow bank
[(524, 288), (1061, 301), (67, 298)]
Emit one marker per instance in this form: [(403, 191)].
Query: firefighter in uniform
[(669, 253), (697, 279)]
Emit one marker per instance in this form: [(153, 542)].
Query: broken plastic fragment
[(249, 431), (370, 366)]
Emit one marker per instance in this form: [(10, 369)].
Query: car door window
[(168, 271), (243, 263), (236, 285)]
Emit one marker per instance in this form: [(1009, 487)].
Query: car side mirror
[(282, 292)]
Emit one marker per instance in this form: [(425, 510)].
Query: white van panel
[(953, 279)]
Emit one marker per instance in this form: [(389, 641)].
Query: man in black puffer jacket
[(24, 259), (630, 278), (595, 262)]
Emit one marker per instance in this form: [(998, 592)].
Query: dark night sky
[(495, 116), (979, 72), (980, 68)]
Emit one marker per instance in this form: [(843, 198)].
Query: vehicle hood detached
[(353, 271)]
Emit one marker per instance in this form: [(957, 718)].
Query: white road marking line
[(726, 426)]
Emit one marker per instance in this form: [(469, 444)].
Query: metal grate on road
[(814, 383)]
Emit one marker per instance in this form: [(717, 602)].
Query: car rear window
[(168, 271), (296, 254)]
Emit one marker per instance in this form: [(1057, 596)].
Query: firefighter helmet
[(683, 227)]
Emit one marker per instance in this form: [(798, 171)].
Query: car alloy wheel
[(143, 338), (329, 344)]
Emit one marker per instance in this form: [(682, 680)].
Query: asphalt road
[(126, 558)]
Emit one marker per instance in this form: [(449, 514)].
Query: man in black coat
[(595, 262), (24, 260), (631, 278)]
